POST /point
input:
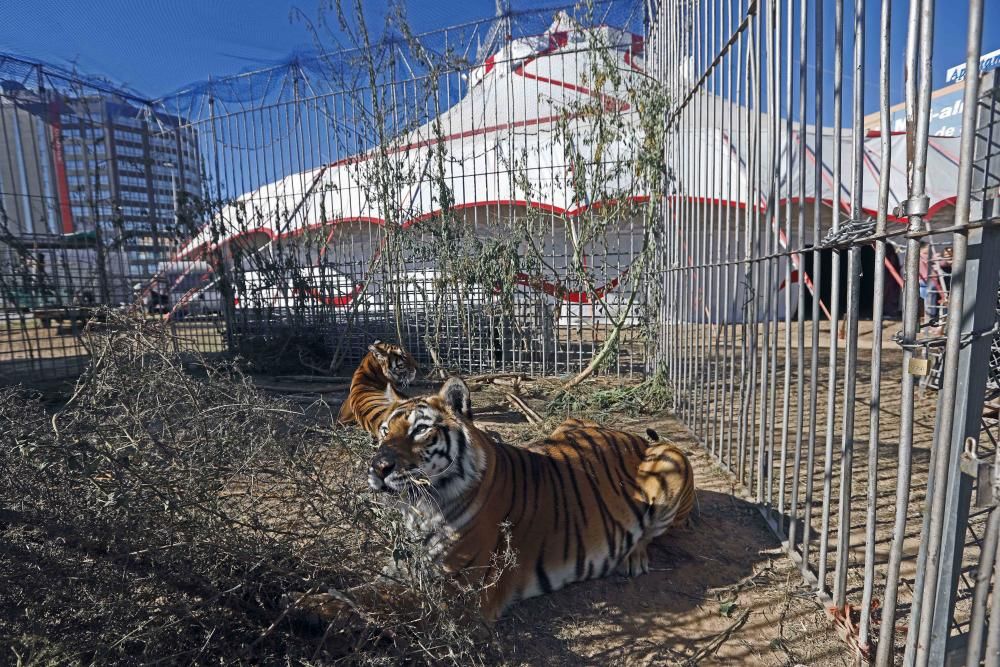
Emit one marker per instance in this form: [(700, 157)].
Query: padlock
[(919, 366)]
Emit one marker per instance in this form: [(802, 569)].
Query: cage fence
[(91, 180), (488, 215), (545, 193), (795, 236), (478, 193)]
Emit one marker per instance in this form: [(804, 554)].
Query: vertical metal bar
[(707, 210), (787, 278), (875, 402), (992, 656), (224, 284), (957, 408), (745, 269), (690, 148), (691, 153), (799, 242), (831, 390), (763, 272), (715, 318), (694, 154), (817, 282), (673, 76), (773, 107), (754, 224), (984, 573), (916, 142), (853, 296), (732, 245)]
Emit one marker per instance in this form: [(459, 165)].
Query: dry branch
[(522, 407), (718, 640), (185, 503), (489, 378)]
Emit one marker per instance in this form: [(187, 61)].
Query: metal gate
[(786, 231), (486, 194), (473, 192)]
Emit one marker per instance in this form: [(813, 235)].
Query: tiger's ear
[(455, 394), (374, 349)]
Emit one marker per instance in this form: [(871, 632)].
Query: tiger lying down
[(376, 386), (582, 503)]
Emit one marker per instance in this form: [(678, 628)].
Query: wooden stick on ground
[(522, 407), (718, 640), (487, 378)]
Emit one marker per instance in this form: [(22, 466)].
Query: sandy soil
[(30, 352), (676, 612), (720, 592), (708, 414)]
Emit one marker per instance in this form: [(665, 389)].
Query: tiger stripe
[(583, 502), (375, 386)]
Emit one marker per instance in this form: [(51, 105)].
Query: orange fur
[(582, 503), (375, 386)]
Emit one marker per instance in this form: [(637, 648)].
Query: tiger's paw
[(635, 563)]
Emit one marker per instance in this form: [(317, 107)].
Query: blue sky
[(157, 46)]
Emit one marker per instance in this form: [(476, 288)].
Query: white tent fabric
[(504, 145), (729, 180), (717, 163), (506, 123)]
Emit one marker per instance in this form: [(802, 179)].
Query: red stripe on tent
[(635, 51), (560, 292), (609, 102), (358, 159), (793, 277), (893, 272), (876, 133), (336, 301), (548, 208)]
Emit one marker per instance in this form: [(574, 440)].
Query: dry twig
[(522, 407)]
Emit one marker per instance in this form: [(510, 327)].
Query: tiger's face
[(396, 363), (425, 442)]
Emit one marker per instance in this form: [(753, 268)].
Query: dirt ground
[(707, 412), (721, 592)]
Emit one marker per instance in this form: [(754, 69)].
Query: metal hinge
[(913, 206)]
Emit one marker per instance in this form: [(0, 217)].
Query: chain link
[(848, 234)]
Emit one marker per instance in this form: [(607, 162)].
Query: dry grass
[(163, 512), (167, 510)]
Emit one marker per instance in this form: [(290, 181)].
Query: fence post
[(971, 317), (982, 271), (985, 181), (213, 209)]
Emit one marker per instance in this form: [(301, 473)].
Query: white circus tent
[(729, 181), (500, 151), (505, 151)]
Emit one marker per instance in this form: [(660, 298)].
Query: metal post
[(992, 656), (224, 284), (987, 557), (916, 146), (975, 269), (875, 402)]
